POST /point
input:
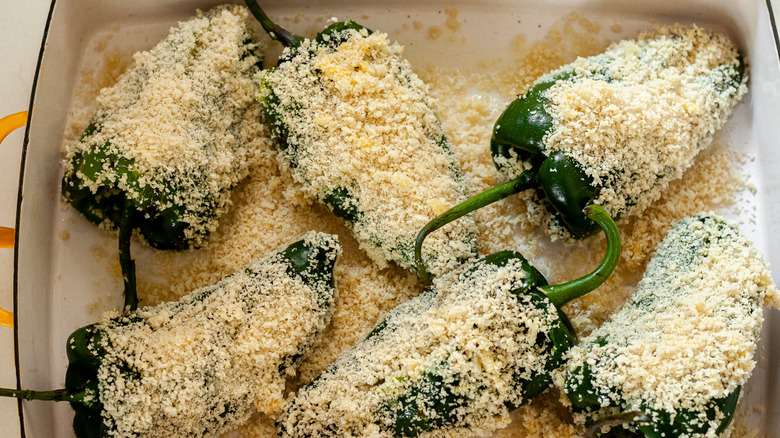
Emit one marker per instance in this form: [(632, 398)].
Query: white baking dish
[(56, 279)]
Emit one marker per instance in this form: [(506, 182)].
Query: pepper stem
[(525, 181), (637, 417), (126, 263), (276, 32), (54, 395), (560, 294)]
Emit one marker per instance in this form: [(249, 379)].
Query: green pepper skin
[(568, 189), (161, 229), (333, 34), (521, 128), (78, 347), (300, 255), (681, 423), (664, 425), (84, 358), (430, 393)]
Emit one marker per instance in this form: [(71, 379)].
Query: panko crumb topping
[(357, 121), (269, 209)]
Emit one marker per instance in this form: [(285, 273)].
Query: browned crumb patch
[(451, 23)]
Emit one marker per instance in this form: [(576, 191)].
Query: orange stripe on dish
[(7, 125)]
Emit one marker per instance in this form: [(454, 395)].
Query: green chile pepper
[(561, 183), (681, 269), (103, 182), (522, 126), (102, 178), (437, 396), (344, 198), (568, 190), (310, 261)]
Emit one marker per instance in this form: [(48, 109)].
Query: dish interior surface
[(67, 274)]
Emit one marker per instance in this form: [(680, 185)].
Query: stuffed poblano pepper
[(673, 360), (613, 129), (173, 135), (202, 365), (454, 360), (357, 130)]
